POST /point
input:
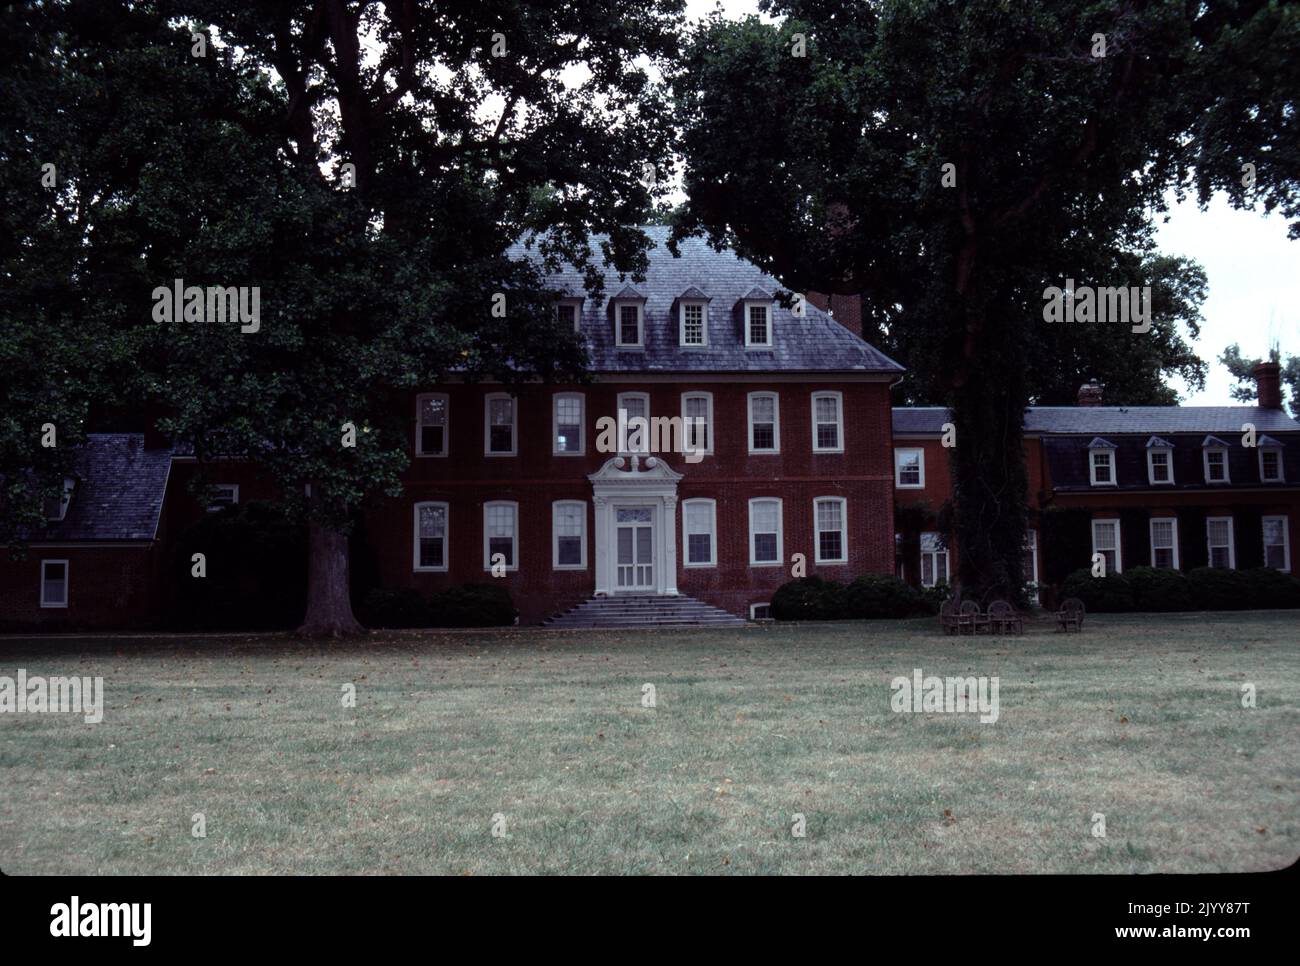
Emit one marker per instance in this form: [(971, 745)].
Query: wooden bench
[(1070, 615), (970, 617), (1003, 618)]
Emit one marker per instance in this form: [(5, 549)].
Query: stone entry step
[(647, 610)]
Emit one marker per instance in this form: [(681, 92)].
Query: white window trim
[(780, 532), (67, 584), (446, 425), (577, 312), (65, 499), (898, 468), (1092, 466), (839, 421), (708, 435), (1151, 539), (776, 424), (1119, 546), (844, 531), (647, 436), (681, 324), (1286, 539), (1281, 470), (555, 424), (757, 604), (1205, 462), (1031, 544), (555, 535), (487, 424), (487, 553), (214, 506), (1232, 542), (766, 307), (446, 539), (713, 534), (934, 570), (640, 324), (1151, 466)]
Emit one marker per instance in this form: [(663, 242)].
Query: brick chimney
[(1090, 393), (1268, 383)]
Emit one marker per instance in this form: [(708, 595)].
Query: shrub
[(1216, 588), (1111, 594), (881, 595), (932, 598), (474, 605), (1160, 589), (1272, 588), (809, 599), (384, 607)]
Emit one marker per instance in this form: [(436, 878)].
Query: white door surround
[(628, 482)]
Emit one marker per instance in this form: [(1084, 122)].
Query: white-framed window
[(693, 322), (1270, 464), (432, 424), (1105, 541), (56, 509), (1216, 464), (700, 533), (758, 324), (909, 469), (54, 583), (629, 327), (1164, 543), (1101, 466), (934, 560), (222, 496), (765, 533), (1277, 543), (568, 437), (1031, 561), (569, 535), (1160, 466), (828, 422), (697, 421), (500, 411), (569, 312), (764, 422), (830, 518), (501, 533), (760, 611), (431, 526), (1220, 542), (634, 405)]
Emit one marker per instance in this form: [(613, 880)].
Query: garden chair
[(972, 618), (1003, 618), (949, 619), (1070, 615)]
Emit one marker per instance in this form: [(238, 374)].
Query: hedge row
[(869, 596), (1205, 588), (474, 605)]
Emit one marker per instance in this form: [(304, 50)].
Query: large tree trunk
[(329, 602)]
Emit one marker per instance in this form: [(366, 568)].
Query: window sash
[(1106, 541), (1218, 539), (1270, 465), (758, 327), (699, 436), (826, 422), (54, 583), (629, 325), (569, 521), (908, 468), (1158, 462), (763, 424), (1102, 466), (693, 324), (1164, 544), (1216, 466), (765, 532), (501, 532), (501, 425), (698, 525), (568, 424), (1277, 549)]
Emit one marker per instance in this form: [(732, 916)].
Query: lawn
[(544, 736)]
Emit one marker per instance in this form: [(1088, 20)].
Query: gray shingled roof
[(1093, 420), (814, 343), (118, 494)]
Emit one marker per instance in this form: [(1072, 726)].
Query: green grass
[(1139, 718)]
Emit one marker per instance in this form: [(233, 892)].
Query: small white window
[(765, 536), (1160, 467), (1102, 463), (697, 421), (432, 410), (1031, 561), (1216, 465), (829, 513), (501, 533), (694, 323), (54, 583), (1277, 543), (764, 423), (699, 532), (628, 323), (758, 324), (499, 428), (568, 437), (1270, 464), (223, 495), (828, 422), (1219, 540), (569, 313), (1164, 543), (760, 611), (430, 537), (569, 525), (635, 436), (1105, 541), (909, 469), (934, 560), (57, 509)]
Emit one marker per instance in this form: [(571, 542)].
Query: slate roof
[(814, 343), (1108, 420), (1067, 462), (118, 494)]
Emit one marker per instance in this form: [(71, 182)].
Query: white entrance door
[(634, 548)]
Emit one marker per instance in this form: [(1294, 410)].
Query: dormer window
[(1101, 462), (1270, 460), (1160, 461), (629, 318), (569, 313), (56, 508), (1214, 453), (693, 318), (756, 318)]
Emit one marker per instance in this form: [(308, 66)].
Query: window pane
[(504, 546), (829, 545), (433, 411), (764, 409), (764, 436), (765, 517), (829, 516), (1272, 464), (433, 521), (765, 546), (431, 551), (568, 424), (693, 324), (431, 439), (1103, 536), (569, 551), (700, 548), (629, 331), (758, 324)]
